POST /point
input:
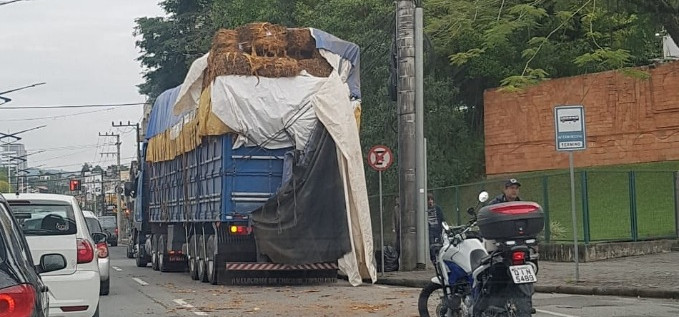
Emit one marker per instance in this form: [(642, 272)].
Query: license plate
[(176, 258), (523, 274)]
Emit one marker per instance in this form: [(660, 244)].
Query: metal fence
[(610, 205)]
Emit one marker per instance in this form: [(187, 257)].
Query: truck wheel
[(141, 257), (211, 261), (154, 252), (130, 250), (202, 274), (162, 261), (193, 269)]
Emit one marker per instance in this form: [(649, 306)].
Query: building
[(670, 49), (9, 154)]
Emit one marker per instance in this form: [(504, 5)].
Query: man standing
[(434, 220), (510, 192)]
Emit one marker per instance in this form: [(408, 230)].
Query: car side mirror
[(51, 262), (99, 237)]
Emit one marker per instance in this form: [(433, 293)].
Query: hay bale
[(225, 40), (317, 66), (275, 67), (263, 39), (301, 44), (228, 63)]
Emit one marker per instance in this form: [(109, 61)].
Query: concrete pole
[(119, 216), (419, 136), (406, 113)]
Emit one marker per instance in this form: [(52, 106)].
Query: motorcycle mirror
[(471, 211), (445, 226), (483, 196)]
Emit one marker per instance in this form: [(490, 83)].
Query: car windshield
[(108, 222), (44, 218), (93, 225)]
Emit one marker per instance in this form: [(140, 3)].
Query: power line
[(10, 1), (56, 117), (72, 147), (76, 106)]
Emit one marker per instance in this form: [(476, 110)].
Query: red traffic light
[(74, 185)]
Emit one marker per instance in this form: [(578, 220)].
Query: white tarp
[(269, 112)]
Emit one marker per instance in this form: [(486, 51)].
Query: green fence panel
[(655, 205)]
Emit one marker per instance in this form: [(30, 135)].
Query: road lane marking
[(553, 313), (142, 283), (184, 304), (117, 268)]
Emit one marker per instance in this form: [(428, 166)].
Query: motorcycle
[(489, 272)]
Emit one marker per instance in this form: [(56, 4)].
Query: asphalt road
[(144, 292)]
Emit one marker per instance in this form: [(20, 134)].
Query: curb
[(609, 291), (561, 289)]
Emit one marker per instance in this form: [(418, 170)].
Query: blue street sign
[(569, 123)]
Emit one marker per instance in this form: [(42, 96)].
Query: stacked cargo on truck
[(252, 167)]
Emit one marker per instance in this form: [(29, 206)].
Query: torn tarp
[(306, 222)]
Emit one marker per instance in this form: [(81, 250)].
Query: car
[(22, 291), (110, 225), (104, 261), (74, 289)]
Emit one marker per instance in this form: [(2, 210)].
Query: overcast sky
[(85, 51)]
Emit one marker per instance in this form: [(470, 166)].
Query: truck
[(251, 179)]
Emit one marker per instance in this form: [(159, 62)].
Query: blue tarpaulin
[(161, 117)]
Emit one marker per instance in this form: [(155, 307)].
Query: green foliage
[(470, 46)]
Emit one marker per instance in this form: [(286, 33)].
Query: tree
[(85, 169)]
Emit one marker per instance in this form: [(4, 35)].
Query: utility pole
[(136, 126), (406, 122), (421, 171), (119, 214)]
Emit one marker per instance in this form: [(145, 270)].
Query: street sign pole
[(569, 125), (575, 219), (381, 222), (380, 159)]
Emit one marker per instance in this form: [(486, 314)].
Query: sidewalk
[(652, 276)]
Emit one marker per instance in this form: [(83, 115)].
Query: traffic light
[(74, 185)]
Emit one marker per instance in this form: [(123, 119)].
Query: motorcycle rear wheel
[(440, 310)]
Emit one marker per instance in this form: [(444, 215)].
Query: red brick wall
[(628, 121)]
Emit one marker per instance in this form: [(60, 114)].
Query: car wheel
[(114, 243), (105, 287)]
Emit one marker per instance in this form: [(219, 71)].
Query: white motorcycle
[(489, 273)]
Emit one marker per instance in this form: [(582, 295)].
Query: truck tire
[(162, 258), (193, 266), (154, 252), (211, 261), (141, 257), (202, 272)]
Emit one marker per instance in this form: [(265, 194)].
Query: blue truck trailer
[(266, 200)]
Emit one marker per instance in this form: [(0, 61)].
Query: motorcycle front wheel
[(432, 302)]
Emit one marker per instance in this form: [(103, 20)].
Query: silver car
[(102, 248)]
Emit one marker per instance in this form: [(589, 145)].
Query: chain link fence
[(610, 205)]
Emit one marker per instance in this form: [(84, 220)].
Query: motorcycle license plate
[(523, 274)]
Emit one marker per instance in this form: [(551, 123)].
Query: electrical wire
[(76, 106), (56, 117)]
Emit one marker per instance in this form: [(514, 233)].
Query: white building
[(14, 150)]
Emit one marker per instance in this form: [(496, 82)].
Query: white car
[(104, 261), (55, 224)]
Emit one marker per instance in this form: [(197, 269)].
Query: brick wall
[(628, 121)]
